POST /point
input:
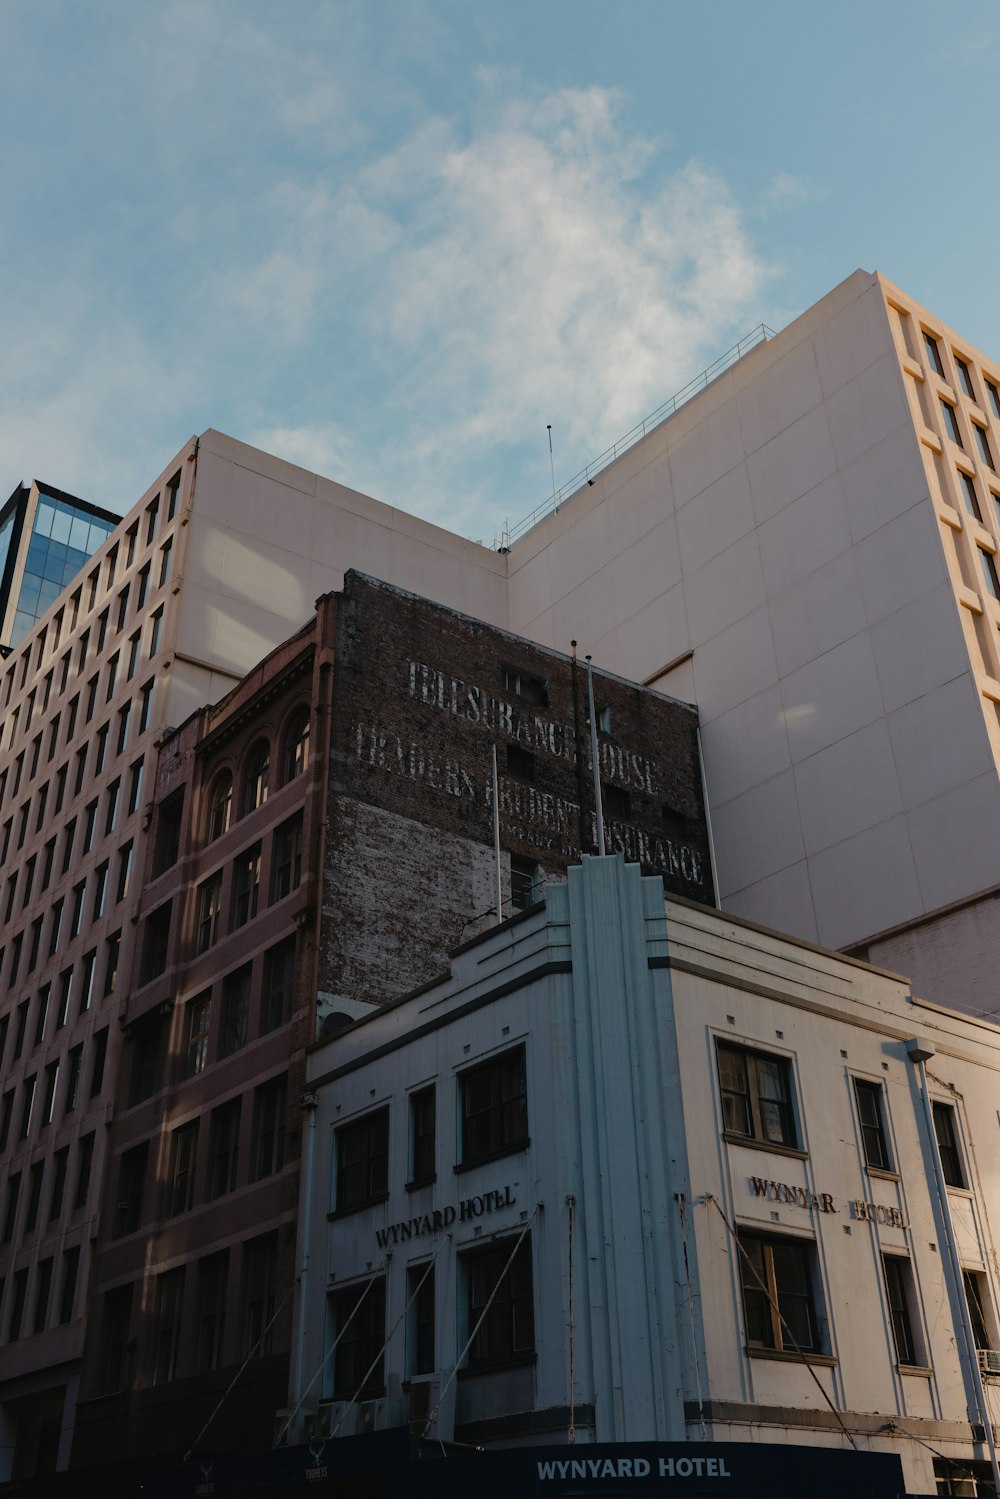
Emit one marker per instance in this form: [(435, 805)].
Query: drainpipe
[(310, 1103), (920, 1052)]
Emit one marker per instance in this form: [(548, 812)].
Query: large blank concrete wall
[(780, 529)]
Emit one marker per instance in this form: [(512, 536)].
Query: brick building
[(320, 840)]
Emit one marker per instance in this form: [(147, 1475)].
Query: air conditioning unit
[(377, 1415), (424, 1404), (989, 1362)]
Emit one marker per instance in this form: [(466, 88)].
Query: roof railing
[(756, 336)]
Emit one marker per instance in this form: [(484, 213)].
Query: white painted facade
[(621, 1004)]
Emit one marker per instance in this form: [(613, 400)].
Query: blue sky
[(393, 240)]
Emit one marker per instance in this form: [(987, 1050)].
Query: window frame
[(771, 1296), (507, 1135), (500, 1342), (367, 1139), (754, 1060), (873, 1129)]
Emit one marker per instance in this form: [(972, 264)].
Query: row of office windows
[(251, 1001), (31, 1306), (758, 1104), (238, 886), (493, 1122), (99, 584), (53, 1094), (72, 993), (24, 1210), (256, 775), (193, 1177), (495, 1302), (224, 1308)]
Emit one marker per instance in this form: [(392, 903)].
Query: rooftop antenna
[(552, 466)]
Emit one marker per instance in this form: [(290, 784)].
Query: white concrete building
[(645, 1173)]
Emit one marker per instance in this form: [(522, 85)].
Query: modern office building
[(46, 537), (638, 1173)]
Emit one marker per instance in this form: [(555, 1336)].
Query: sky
[(395, 240)]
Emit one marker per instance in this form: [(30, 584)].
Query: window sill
[(498, 1365), (752, 1144), (517, 1147), (787, 1356), (883, 1174), (422, 1181), (920, 1371), (357, 1207)]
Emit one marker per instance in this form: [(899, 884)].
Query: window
[(134, 647), (121, 740), (362, 1161), (520, 763), (61, 1163), (43, 1289), (145, 707), (131, 1181), (778, 1301), (151, 511), (965, 379), (197, 1015), (951, 423), (173, 489), (70, 1272), (35, 1176), (279, 986), (224, 1144), (124, 871), (155, 942), (494, 1107), (65, 995), (989, 573), (111, 807), (88, 965), (113, 947), (525, 883), (420, 1333), (220, 806), (947, 1140), (508, 1328), (756, 1095), (246, 887), (965, 1476), (6, 1116), (207, 905), (934, 354), (10, 1214), (235, 1010), (183, 1155), (983, 444), (97, 1062), (135, 787), (978, 1301), (122, 615), (49, 1096), (19, 1288), (213, 1284), (523, 685), (267, 1140), (89, 826), (899, 1289), (100, 889), (102, 749), (295, 747), (969, 494), (357, 1323), (167, 1325), (42, 1014), (164, 569), (994, 395), (143, 589), (255, 776), (616, 802), (422, 1112), (871, 1116), (144, 1077), (286, 872), (155, 630), (74, 1063), (117, 1321), (259, 1294), (27, 1106), (84, 1163)]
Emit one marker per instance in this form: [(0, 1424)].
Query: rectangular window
[(994, 395), (155, 942), (279, 986), (872, 1117), (19, 1287), (965, 380), (155, 630), (113, 947), (144, 1077), (100, 890), (969, 494), (286, 871), (224, 1144), (56, 927), (357, 1323), (131, 1183), (70, 1273), (422, 1117), (35, 1176), (362, 1161), (42, 1012), (89, 826), (134, 648), (27, 1106), (183, 1156), (778, 1298), (135, 787), (121, 740), (197, 1016), (43, 1290), (6, 1116), (49, 1096), (124, 871), (145, 709), (167, 1325), (117, 1324), (61, 1163), (951, 423), (151, 512), (756, 1095), (164, 570), (246, 887), (507, 1329), (983, 444), (259, 1296), (10, 1213), (74, 1064), (420, 1332), (84, 1164), (65, 996), (899, 1289), (520, 763), (207, 904), (524, 685), (934, 354), (88, 966), (494, 1107), (100, 1054), (267, 1140), (947, 1140), (980, 1308), (989, 573), (213, 1284), (235, 1010)]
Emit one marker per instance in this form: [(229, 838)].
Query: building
[(637, 1175), (46, 537), (319, 840)]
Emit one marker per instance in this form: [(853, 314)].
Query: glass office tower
[(46, 536)]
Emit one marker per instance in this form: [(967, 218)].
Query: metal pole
[(496, 837), (598, 799)]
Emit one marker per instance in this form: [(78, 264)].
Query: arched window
[(220, 805), (295, 749), (256, 776)]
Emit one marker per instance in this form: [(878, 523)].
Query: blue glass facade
[(62, 539)]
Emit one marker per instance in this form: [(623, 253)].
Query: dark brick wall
[(419, 702)]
